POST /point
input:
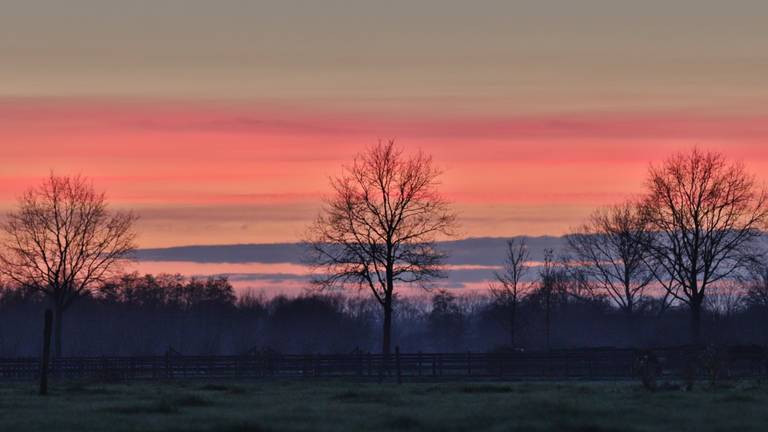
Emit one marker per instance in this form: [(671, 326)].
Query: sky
[(221, 122)]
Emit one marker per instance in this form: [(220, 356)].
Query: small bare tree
[(754, 283), (509, 286), (63, 241), (610, 248), (380, 227), (552, 291), (705, 214), (725, 299)]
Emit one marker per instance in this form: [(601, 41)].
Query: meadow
[(349, 406)]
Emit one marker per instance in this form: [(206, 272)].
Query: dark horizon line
[(470, 250)]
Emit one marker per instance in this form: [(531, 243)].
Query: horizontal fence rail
[(595, 364)]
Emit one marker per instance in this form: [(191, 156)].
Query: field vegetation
[(332, 405)]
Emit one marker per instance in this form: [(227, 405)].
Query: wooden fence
[(588, 364)]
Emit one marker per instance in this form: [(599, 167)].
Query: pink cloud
[(176, 158)]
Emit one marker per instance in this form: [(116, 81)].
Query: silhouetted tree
[(706, 214), (210, 292), (64, 241), (446, 320), (312, 323), (145, 291), (551, 289), (725, 299), (509, 287), (380, 226), (611, 251), (755, 281), (336, 324)]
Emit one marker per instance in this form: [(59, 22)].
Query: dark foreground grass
[(331, 406)]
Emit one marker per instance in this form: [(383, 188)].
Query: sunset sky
[(220, 121)]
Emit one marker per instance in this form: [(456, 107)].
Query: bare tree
[(63, 241), (509, 286), (552, 290), (705, 214), (755, 282), (380, 227), (610, 248), (446, 321), (725, 299)]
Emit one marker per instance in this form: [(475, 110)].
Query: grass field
[(330, 406)]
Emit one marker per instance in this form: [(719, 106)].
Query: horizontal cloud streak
[(167, 117), (279, 268), (466, 252), (217, 172)]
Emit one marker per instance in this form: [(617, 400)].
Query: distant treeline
[(136, 315)]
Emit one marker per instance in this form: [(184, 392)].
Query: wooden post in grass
[(370, 365), (168, 367), (46, 358), (501, 364), (469, 363), (397, 365), (419, 363)]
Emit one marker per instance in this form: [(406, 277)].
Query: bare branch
[(63, 240), (381, 224), (705, 215), (610, 248)]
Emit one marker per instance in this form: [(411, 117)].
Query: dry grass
[(331, 406)]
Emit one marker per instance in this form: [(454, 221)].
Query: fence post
[(469, 363), (359, 363), (168, 369), (419, 363), (104, 368), (46, 353), (397, 365), (370, 364), (384, 367)]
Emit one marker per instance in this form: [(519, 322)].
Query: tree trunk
[(58, 318), (46, 357), (629, 316), (386, 340), (696, 322), (547, 317), (629, 327), (512, 324)]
